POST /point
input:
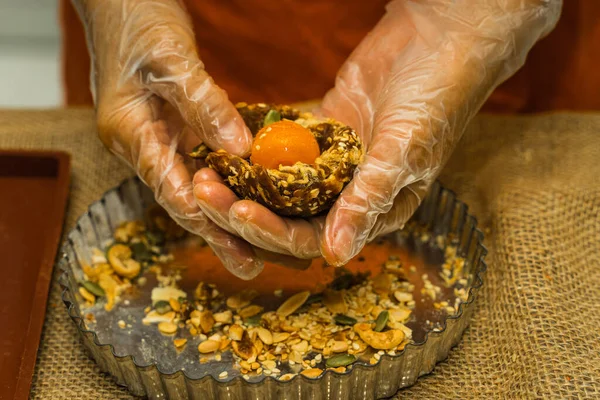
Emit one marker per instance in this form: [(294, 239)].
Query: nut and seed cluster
[(299, 190), (355, 317), (136, 248)]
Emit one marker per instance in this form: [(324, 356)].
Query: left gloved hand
[(409, 90), (155, 102)]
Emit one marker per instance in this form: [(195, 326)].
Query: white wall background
[(29, 54)]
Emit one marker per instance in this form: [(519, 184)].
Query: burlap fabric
[(532, 182)]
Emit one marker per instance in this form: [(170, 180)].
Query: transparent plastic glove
[(409, 89), (155, 102)]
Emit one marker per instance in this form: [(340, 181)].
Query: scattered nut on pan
[(355, 316)]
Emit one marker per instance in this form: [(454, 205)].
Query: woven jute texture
[(533, 183)]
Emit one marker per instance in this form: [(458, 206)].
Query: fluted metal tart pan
[(141, 361)]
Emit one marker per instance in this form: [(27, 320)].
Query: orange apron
[(288, 51)]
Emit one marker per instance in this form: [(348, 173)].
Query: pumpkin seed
[(342, 319), (253, 320), (302, 310), (156, 238), (200, 151), (341, 360), (140, 252), (313, 298), (381, 321), (162, 307), (93, 288), (271, 117)]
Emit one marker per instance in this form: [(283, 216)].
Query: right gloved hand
[(409, 89), (155, 102)]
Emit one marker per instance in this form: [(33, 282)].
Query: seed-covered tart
[(299, 164)]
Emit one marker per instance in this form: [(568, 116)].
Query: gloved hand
[(409, 89), (155, 102)]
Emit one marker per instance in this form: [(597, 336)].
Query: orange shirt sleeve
[(75, 58), (562, 71), (287, 51), (258, 51)]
